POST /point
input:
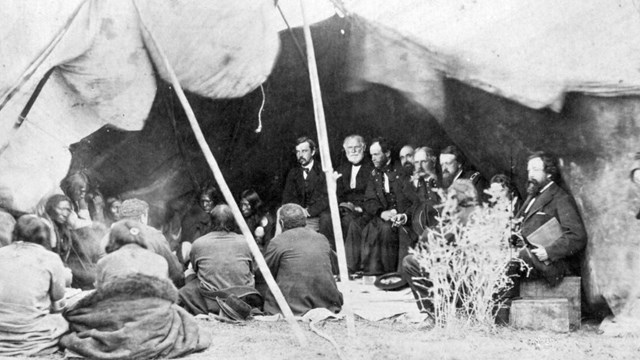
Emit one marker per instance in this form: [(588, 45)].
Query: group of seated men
[(378, 197), (387, 203)]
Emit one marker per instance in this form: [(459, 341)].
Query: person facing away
[(127, 253), (223, 264), (32, 283), (299, 260), (137, 210)]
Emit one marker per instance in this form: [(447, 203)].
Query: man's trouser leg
[(388, 247), (353, 243), (417, 280)]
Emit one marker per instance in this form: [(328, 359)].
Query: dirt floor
[(393, 339)]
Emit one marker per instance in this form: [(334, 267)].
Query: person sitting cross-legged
[(127, 253), (299, 260), (32, 287), (223, 264)]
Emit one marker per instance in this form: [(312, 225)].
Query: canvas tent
[(499, 78), (482, 67)]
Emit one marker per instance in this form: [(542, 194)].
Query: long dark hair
[(31, 228), (63, 232), (254, 201)]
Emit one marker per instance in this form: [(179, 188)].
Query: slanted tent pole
[(226, 192), (325, 156)]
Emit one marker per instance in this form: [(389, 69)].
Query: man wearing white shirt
[(306, 186), (548, 200), (351, 185)]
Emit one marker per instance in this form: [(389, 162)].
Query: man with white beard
[(351, 185), (454, 166)]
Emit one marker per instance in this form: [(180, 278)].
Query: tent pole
[(226, 192), (325, 157)]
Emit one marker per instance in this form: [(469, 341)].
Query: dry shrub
[(466, 262)]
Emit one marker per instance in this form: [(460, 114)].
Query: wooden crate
[(540, 314), (568, 289)]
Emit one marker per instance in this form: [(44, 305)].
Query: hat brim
[(390, 282), (227, 311)]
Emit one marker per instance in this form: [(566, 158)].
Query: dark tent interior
[(165, 159)]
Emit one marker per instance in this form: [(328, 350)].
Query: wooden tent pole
[(228, 196), (325, 157)]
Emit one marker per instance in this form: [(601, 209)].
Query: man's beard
[(408, 166), (355, 159), (447, 179), (534, 187), (303, 162)]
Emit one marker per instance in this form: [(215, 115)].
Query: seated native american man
[(224, 266), (138, 211), (133, 312), (32, 283), (299, 259), (127, 253)]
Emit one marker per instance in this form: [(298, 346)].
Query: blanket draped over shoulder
[(133, 316)]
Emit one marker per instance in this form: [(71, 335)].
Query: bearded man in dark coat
[(548, 201), (389, 207), (299, 259), (454, 166)]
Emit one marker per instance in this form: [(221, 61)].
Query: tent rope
[(259, 128)]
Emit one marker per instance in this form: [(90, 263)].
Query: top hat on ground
[(391, 281)]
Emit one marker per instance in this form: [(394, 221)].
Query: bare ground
[(389, 339)]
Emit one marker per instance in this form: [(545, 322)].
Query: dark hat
[(391, 281), (234, 308)]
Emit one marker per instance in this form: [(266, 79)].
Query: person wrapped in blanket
[(133, 288), (32, 288)]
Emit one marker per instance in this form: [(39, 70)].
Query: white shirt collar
[(309, 165)]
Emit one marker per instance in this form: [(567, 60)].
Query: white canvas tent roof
[(530, 51), (104, 71)]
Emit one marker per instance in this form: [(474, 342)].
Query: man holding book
[(551, 227)]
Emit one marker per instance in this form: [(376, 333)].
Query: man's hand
[(388, 214), (98, 201), (399, 220), (540, 253), (306, 212), (336, 175)]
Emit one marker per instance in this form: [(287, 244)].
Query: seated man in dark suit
[(351, 185), (387, 204), (454, 166), (300, 261), (306, 186), (547, 201)]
